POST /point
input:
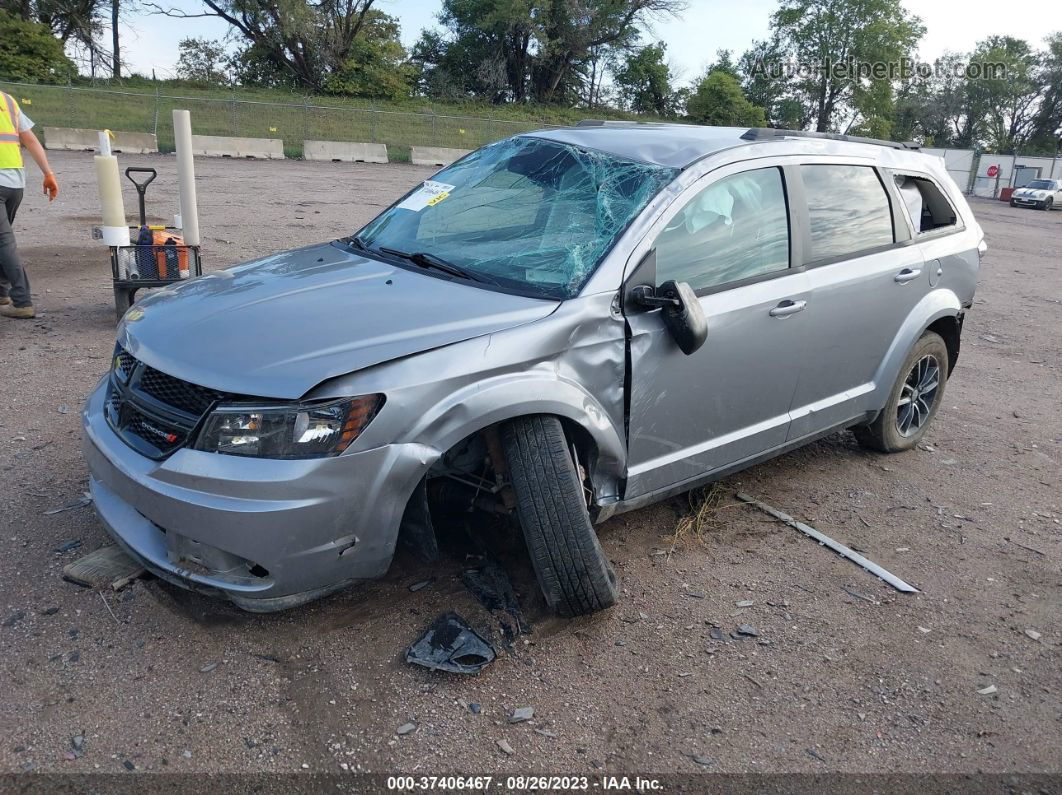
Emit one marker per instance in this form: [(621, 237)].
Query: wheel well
[(950, 330)]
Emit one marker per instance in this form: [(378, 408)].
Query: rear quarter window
[(848, 210)]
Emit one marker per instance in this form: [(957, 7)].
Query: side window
[(734, 229), (848, 210), (927, 205)]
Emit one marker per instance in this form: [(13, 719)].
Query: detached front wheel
[(572, 570)]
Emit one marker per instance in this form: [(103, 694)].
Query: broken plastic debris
[(450, 644), (836, 546)]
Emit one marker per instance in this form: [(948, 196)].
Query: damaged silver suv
[(560, 326)]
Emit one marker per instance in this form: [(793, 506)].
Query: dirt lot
[(874, 682)]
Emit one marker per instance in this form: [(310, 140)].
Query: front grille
[(154, 413), (182, 395)]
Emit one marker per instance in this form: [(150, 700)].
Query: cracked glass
[(525, 214)]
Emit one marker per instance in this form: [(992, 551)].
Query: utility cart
[(157, 256)]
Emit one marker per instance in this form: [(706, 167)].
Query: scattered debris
[(744, 603), (128, 765), (107, 605), (50, 611), (490, 584), (1032, 633), (824, 539), (208, 667), (702, 760), (81, 502), (450, 644), (406, 728), (506, 748), (858, 595), (521, 714), (753, 680), (77, 743), (67, 546), (747, 631), (106, 567), (715, 633), (815, 755), (14, 618), (1023, 546), (987, 691), (64, 409), (546, 733), (422, 584), (696, 594), (475, 708), (924, 630)]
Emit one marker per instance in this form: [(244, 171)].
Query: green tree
[(1047, 125), (29, 51), (644, 81), (377, 65), (519, 50), (717, 100), (304, 42), (1009, 96), (203, 61), (836, 44)]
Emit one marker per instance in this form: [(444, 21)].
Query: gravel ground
[(845, 674)]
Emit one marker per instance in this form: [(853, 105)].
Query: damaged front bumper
[(267, 534)]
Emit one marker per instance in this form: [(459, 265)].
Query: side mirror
[(681, 312)]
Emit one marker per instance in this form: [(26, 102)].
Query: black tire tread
[(571, 567), (879, 435)]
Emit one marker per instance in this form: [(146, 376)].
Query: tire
[(1048, 204), (1013, 203), (886, 434), (572, 570)]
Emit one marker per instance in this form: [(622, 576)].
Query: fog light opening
[(259, 571)]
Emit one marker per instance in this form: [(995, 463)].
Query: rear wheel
[(572, 570), (914, 399)]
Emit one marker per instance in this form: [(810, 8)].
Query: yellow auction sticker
[(438, 198)]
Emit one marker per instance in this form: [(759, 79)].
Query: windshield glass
[(1041, 184), (525, 214)]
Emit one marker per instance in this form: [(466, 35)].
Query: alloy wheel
[(918, 395)]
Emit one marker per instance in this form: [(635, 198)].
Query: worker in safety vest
[(16, 131)]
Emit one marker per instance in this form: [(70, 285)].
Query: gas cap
[(935, 272)]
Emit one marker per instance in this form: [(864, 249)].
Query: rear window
[(927, 205), (848, 210)]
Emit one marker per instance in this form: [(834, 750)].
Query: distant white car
[(1040, 193)]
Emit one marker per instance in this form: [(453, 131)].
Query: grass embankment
[(266, 113)]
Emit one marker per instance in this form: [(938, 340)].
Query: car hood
[(279, 326), (1032, 193)]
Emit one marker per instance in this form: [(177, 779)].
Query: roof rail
[(770, 133), (619, 123)]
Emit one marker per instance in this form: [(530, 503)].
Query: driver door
[(730, 237)]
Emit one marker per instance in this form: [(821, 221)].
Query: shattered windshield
[(525, 214)]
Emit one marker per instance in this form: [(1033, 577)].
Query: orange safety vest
[(10, 142)]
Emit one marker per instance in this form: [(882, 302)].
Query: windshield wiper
[(425, 260), (354, 241)]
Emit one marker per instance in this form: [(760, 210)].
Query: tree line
[(828, 65)]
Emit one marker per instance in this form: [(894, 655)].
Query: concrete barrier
[(224, 146), (435, 155), (77, 140), (344, 151)]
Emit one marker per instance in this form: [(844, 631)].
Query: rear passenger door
[(865, 279)]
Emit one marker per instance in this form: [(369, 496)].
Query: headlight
[(300, 430)]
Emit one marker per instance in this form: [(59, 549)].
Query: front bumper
[(267, 534), (1026, 201)]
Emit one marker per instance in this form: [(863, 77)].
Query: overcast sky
[(150, 42)]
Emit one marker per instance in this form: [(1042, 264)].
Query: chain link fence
[(293, 122)]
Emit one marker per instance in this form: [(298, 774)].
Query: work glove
[(51, 187)]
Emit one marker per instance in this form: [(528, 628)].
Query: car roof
[(681, 145)]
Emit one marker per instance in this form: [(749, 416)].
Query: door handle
[(787, 308), (907, 275)]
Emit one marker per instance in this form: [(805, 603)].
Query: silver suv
[(561, 326)]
